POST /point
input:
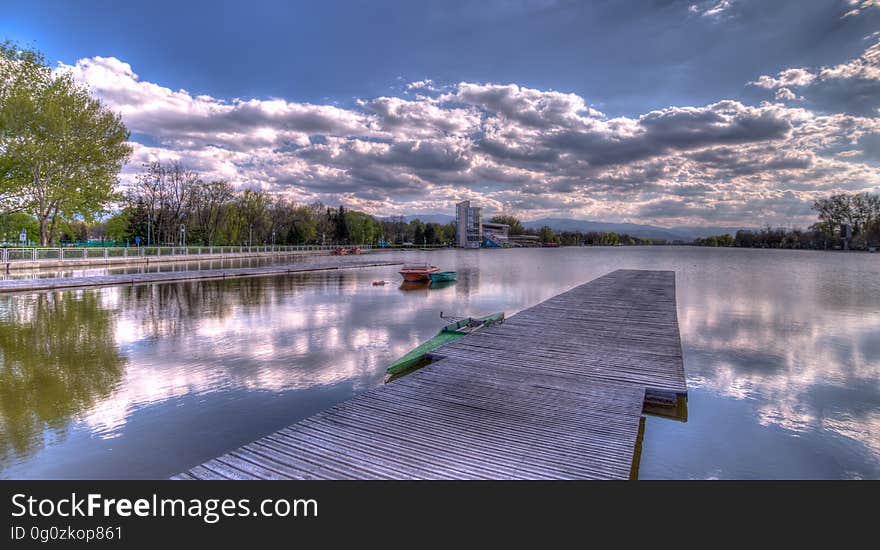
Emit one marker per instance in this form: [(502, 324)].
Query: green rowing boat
[(449, 333), (443, 276)]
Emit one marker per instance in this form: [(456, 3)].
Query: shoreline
[(63, 283)]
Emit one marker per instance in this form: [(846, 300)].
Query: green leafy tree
[(446, 233), (304, 227), (431, 233), (253, 210), (364, 229), (547, 235), (516, 227), (418, 231), (12, 224), (209, 205), (118, 227), (60, 149), (340, 223), (610, 239)]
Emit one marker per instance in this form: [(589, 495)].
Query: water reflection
[(782, 351), (162, 267), (410, 286), (441, 284), (58, 359), (807, 369)]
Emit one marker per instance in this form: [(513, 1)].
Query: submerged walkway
[(555, 392), (18, 259), (60, 283)]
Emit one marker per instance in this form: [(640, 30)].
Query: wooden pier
[(555, 392)]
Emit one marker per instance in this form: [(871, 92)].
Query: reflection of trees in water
[(173, 308), (468, 282), (58, 357), (164, 309)]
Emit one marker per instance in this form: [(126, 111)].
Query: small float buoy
[(378, 283)]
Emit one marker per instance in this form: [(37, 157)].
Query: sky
[(710, 112)]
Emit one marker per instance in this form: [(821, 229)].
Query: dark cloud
[(731, 162), (856, 96), (869, 147), (675, 128), (786, 204)]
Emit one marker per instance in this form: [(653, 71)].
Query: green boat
[(449, 333), (443, 276)]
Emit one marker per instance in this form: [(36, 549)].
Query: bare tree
[(165, 191)]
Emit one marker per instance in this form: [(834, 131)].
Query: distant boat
[(443, 276), (449, 333), (418, 272)]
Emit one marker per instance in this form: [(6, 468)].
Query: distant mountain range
[(678, 233), (696, 232), (633, 229)]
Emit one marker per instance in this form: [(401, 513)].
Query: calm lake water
[(163, 267), (782, 353)]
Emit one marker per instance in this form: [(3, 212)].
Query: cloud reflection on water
[(782, 354)]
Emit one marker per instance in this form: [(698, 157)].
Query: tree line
[(572, 238), (170, 204), (859, 212)]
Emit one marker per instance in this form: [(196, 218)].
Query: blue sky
[(579, 66)]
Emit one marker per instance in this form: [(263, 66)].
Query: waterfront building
[(468, 225), (524, 240), (495, 234)]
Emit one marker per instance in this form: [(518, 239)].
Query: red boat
[(418, 272)]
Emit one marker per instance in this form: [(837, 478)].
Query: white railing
[(85, 253)]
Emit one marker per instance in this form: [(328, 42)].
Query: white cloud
[(713, 9), (189, 121), (534, 152), (784, 94), (866, 67), (788, 77), (426, 84), (853, 86), (860, 6)]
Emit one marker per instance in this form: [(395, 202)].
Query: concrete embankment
[(134, 259), (23, 285)]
